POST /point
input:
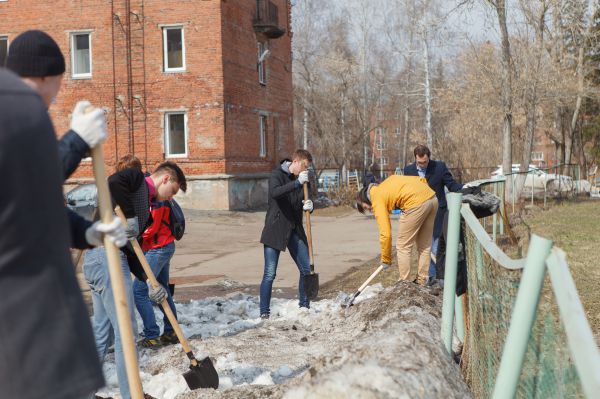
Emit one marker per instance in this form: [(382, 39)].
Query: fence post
[(459, 318), (522, 319), (502, 208), (454, 203)]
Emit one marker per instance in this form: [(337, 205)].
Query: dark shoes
[(169, 338), (265, 316), (152, 343)]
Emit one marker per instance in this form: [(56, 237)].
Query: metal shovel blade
[(311, 285), (203, 375)]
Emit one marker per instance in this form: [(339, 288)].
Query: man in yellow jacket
[(418, 203)]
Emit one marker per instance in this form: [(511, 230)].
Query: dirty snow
[(387, 346)]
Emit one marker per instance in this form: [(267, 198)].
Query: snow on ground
[(387, 345)]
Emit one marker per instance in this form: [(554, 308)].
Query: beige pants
[(416, 225)]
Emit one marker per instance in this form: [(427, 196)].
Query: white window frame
[(72, 48), (540, 158), (167, 129), (5, 37), (383, 160), (263, 125), (166, 68), (262, 66)]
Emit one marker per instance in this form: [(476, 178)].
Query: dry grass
[(575, 228)]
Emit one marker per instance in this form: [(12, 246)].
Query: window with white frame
[(173, 49), (537, 156), (383, 161), (3, 49), (262, 68), (176, 134), (397, 132), (262, 130), (81, 55)]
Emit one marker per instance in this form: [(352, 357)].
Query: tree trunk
[(428, 129)]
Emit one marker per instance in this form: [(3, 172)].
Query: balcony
[(266, 20)]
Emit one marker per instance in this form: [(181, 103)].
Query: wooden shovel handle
[(116, 278), (165, 304), (308, 232)]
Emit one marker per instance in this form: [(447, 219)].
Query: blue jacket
[(438, 176)]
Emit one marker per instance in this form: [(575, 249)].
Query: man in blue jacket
[(438, 177)]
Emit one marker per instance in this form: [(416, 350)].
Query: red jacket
[(158, 234)]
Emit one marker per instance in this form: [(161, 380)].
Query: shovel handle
[(165, 304), (116, 278), (364, 285), (308, 232)]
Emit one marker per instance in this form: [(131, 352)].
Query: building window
[(176, 134), (262, 68), (3, 49), (537, 156), (383, 161), (263, 135), (174, 49), (81, 55)]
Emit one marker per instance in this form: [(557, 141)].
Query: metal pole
[(532, 186), (522, 319), (502, 210), (495, 217), (454, 203), (459, 317)]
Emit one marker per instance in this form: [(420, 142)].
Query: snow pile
[(388, 345)]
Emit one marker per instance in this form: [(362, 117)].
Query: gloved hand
[(466, 185), (385, 266), (89, 125), (303, 177), (156, 295), (132, 230), (307, 205), (115, 231)]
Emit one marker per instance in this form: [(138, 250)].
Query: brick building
[(205, 83)]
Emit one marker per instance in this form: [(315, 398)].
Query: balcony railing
[(266, 20)]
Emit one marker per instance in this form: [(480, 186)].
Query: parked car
[(83, 200)]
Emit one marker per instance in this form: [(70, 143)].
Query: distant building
[(205, 83)]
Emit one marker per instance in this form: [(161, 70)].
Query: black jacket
[(71, 150), (48, 348), (438, 176), (284, 213)]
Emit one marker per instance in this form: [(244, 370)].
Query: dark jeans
[(299, 252)]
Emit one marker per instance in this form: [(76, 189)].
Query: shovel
[(362, 287), (202, 374), (116, 278), (311, 281)]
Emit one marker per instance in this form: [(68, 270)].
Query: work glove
[(90, 125), (132, 230), (303, 177), (307, 205), (115, 231), (385, 266), (156, 295)]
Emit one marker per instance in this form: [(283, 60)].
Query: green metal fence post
[(454, 203), (495, 218), (522, 319), (459, 318), (502, 209)]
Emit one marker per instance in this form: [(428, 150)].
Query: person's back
[(402, 192), (46, 330)]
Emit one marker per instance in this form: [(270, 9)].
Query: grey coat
[(47, 348)]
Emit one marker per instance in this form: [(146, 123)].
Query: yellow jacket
[(403, 192)]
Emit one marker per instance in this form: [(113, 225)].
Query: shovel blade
[(203, 375), (311, 285)]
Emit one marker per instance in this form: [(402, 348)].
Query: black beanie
[(35, 53)]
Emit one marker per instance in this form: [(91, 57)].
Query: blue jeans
[(158, 259), (432, 267), (299, 252), (95, 270)]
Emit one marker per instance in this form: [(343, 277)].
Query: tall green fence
[(525, 331)]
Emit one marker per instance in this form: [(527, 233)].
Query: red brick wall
[(219, 89), (246, 98)]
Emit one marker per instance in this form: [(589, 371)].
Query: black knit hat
[(35, 53)]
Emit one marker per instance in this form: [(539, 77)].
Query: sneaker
[(265, 316), (152, 343), (169, 338), (303, 311)]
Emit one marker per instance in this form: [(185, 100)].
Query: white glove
[(303, 177), (156, 295), (385, 266), (89, 125), (115, 231), (132, 230), (467, 185), (307, 205)]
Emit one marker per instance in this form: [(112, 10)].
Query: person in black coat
[(47, 346), (283, 225), (439, 178)]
